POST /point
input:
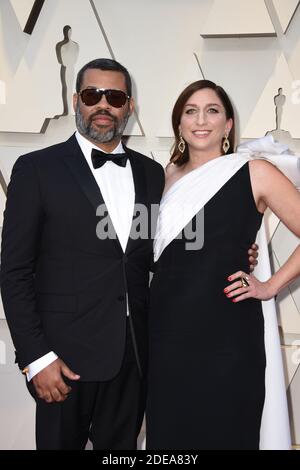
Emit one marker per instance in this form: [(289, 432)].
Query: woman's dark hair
[(180, 158), (104, 64)]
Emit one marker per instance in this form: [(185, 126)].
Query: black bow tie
[(100, 158)]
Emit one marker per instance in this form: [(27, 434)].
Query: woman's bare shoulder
[(171, 169), (261, 167)]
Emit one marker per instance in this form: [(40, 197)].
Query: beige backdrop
[(252, 48)]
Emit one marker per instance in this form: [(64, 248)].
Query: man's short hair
[(104, 64)]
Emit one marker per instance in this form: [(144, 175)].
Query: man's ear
[(131, 105), (75, 101)]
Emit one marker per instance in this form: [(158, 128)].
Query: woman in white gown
[(207, 348)]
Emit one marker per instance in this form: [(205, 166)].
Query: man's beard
[(87, 129)]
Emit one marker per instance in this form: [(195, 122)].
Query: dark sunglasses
[(92, 96)]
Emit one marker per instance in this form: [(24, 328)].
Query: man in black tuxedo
[(75, 300)]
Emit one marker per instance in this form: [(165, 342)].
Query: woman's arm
[(271, 189)]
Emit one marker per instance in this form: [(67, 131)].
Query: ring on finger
[(244, 281)]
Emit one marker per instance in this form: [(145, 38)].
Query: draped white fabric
[(189, 194), (266, 148), (275, 428)]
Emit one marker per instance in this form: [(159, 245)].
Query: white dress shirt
[(117, 189)]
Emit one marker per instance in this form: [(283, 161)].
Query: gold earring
[(226, 144), (181, 144)]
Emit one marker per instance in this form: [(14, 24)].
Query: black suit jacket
[(64, 289)]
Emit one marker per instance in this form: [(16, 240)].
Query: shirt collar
[(87, 146)]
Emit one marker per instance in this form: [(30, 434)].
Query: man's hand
[(253, 255), (49, 383)]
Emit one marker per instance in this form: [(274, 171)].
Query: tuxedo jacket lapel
[(81, 172), (140, 187)]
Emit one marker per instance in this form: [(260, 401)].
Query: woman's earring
[(226, 144), (181, 144)]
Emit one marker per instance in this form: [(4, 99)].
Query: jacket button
[(121, 298), (125, 259)]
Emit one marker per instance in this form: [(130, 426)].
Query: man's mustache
[(102, 113)]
